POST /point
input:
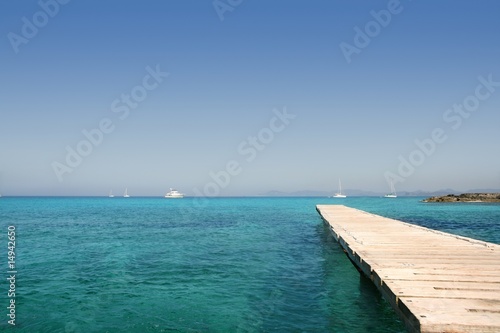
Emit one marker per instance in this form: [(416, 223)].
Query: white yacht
[(339, 193), (111, 195), (125, 195), (174, 194)]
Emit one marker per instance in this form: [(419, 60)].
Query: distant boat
[(125, 195), (174, 194), (339, 193), (393, 192), (111, 195)]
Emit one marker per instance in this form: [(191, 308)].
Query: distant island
[(466, 197), (367, 193)]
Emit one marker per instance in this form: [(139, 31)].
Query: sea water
[(181, 265)]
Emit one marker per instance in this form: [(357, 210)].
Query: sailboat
[(339, 193), (111, 195), (393, 192), (125, 195)]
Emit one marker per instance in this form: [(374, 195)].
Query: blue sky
[(229, 79)]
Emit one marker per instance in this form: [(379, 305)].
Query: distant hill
[(484, 190), (363, 193), (421, 193), (312, 193), (304, 193)]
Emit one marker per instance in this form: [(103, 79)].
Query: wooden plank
[(431, 275), (449, 315), (435, 281)]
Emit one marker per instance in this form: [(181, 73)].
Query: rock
[(466, 197)]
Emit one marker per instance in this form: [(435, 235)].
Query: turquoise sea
[(225, 265)]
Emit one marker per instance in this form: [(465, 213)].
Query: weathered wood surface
[(435, 281)]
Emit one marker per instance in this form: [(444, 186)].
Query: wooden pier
[(435, 281)]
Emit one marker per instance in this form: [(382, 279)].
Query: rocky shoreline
[(466, 197)]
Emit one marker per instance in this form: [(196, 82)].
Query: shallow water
[(233, 265)]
